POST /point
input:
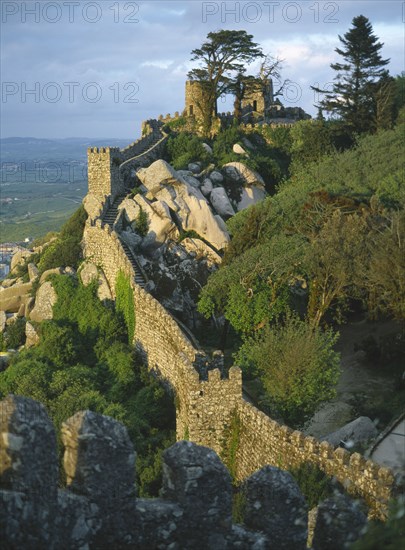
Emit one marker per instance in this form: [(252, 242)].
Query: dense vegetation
[(328, 242), (84, 361)]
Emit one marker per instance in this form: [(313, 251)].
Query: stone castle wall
[(205, 407), (206, 401), (103, 171), (98, 508), (264, 441)]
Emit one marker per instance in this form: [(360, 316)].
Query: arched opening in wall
[(191, 110), (255, 105)]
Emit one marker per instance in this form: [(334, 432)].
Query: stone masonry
[(98, 508), (205, 400)]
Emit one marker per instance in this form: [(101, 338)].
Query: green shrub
[(82, 362), (142, 223), (314, 484), (15, 335), (66, 250), (298, 367), (185, 148)]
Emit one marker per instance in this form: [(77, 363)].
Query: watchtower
[(259, 101)]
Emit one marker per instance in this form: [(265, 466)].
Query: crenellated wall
[(264, 441), (206, 402), (98, 508), (205, 407)]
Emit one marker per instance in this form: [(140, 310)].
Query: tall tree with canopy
[(220, 57), (359, 77)]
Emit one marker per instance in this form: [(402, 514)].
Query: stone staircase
[(111, 215), (145, 144)]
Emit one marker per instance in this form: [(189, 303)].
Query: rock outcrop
[(90, 272), (356, 432), (45, 300), (13, 297)]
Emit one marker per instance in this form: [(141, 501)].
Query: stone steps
[(111, 215), (139, 278)]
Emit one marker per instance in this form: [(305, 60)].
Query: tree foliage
[(66, 249), (224, 55), (360, 85), (297, 365)]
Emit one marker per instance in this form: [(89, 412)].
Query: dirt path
[(357, 381)]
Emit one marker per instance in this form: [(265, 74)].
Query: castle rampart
[(205, 407), (206, 401), (99, 508)]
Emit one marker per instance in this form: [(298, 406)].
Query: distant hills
[(19, 149), (42, 182)]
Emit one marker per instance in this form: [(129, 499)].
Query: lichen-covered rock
[(216, 177), (33, 272), (8, 282), (191, 180), (194, 167), (160, 223), (31, 335), (193, 212), (158, 174), (339, 522), (48, 272), (206, 187), (221, 203), (90, 272), (239, 150), (45, 300), (11, 298), (3, 319), (239, 172), (19, 258), (275, 505), (250, 195), (201, 250), (358, 431)]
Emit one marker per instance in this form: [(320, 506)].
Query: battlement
[(207, 399), (104, 151), (99, 509)]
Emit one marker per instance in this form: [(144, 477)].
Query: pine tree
[(357, 83), (220, 57)]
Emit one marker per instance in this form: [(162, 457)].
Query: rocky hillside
[(174, 223)]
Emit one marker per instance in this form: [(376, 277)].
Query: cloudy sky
[(98, 68)]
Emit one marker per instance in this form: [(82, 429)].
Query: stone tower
[(259, 101), (195, 100)]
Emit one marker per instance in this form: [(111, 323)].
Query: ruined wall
[(259, 100)]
